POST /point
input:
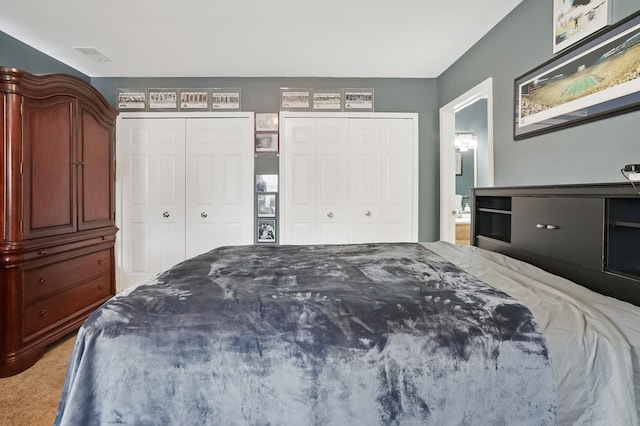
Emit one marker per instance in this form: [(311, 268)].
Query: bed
[(393, 333)]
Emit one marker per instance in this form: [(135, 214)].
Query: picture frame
[(194, 99), (327, 100), (266, 205), (573, 22), (458, 163), (226, 99), (266, 183), (592, 81), (163, 99), (132, 99), (267, 142), (295, 99), (266, 121), (266, 231), (358, 100)]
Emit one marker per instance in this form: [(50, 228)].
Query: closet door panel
[(398, 180), (151, 156), (365, 179), (219, 183)]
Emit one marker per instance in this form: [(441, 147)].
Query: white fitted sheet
[(594, 340)]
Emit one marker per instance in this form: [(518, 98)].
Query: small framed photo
[(574, 21), (225, 99), (358, 99), (132, 99), (327, 100), (295, 99), (194, 99), (163, 99), (266, 231), (266, 142), (266, 183), (266, 121), (266, 205)]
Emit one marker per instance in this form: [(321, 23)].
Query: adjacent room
[(355, 213)]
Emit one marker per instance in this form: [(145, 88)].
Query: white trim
[(483, 90)]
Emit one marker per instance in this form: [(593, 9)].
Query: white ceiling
[(252, 38)]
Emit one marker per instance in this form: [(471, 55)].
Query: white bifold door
[(348, 179), (185, 187)]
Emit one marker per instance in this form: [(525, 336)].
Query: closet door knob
[(203, 215), (165, 214), (330, 214), (367, 213)]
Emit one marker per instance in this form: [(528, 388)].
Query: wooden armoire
[(58, 210)]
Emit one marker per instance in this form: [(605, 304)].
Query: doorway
[(483, 156)]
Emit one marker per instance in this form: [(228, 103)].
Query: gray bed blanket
[(364, 334)]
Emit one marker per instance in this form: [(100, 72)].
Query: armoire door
[(219, 183), (314, 180), (48, 167), (96, 174), (151, 167)]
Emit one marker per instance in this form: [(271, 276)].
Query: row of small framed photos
[(217, 99), (326, 99), (266, 208)]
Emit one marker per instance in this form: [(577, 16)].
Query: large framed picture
[(597, 79), (575, 20)]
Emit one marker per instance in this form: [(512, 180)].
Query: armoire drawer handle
[(43, 313), (43, 281), (100, 261), (42, 252), (165, 214), (100, 286)]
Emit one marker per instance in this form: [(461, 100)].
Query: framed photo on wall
[(597, 79), (294, 99), (266, 205), (327, 100), (266, 121), (266, 231), (225, 99), (358, 99), (163, 99), (132, 99), (194, 99), (576, 20), (267, 142)]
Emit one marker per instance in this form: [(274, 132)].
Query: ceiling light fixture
[(94, 54)]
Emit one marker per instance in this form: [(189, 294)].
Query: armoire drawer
[(46, 312), (54, 277)]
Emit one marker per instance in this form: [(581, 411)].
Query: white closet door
[(314, 178), (151, 173), (399, 180), (219, 183), (365, 180)]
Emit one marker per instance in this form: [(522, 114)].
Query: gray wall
[(390, 95), (14, 53), (592, 152)]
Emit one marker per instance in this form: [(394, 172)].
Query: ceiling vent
[(94, 54)]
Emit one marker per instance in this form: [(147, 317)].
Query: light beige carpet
[(31, 398)]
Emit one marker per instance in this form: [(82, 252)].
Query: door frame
[(483, 90)]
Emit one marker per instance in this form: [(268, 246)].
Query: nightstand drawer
[(75, 300), (54, 277)]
